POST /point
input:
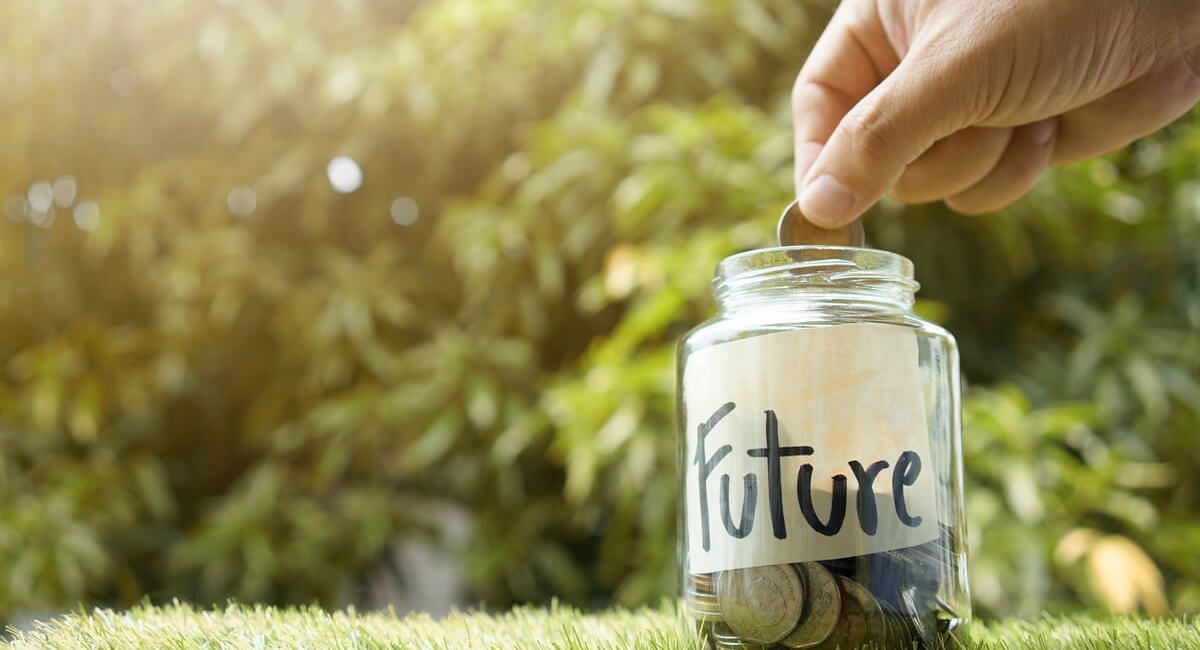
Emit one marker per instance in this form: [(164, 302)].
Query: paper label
[(810, 444)]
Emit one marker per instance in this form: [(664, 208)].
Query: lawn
[(239, 626)]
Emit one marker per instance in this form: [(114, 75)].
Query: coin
[(795, 230), (700, 598), (703, 614), (761, 604), (701, 581), (851, 630), (822, 607), (703, 606), (704, 611), (721, 636), (876, 627), (897, 631)]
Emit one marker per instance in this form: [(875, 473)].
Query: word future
[(904, 474)]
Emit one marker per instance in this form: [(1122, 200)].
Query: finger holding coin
[(796, 230)]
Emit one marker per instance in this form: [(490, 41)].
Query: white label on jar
[(810, 444)]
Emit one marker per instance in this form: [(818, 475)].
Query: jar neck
[(810, 279)]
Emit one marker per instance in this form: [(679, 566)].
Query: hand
[(968, 101)]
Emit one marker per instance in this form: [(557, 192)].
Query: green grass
[(241, 626)]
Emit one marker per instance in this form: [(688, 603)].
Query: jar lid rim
[(849, 258)]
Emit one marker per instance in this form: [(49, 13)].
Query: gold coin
[(851, 630), (701, 600), (822, 607), (897, 633), (761, 604), (876, 627), (795, 230), (700, 581)]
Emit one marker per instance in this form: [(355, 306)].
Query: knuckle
[(808, 94), (870, 130), (803, 92)]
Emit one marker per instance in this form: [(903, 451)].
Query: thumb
[(919, 103)]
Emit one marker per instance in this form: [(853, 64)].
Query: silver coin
[(732, 645), (822, 607), (703, 606), (704, 615), (720, 636), (795, 230), (761, 604)]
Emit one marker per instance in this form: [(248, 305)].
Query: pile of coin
[(882, 600), (701, 600)]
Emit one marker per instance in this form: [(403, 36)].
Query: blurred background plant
[(288, 283)]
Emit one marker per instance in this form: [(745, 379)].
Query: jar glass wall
[(819, 457)]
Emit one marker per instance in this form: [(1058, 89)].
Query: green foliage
[(199, 404), (558, 627)]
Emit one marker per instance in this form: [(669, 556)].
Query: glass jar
[(819, 456)]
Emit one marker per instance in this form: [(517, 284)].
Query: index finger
[(851, 57)]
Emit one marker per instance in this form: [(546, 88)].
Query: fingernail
[(826, 200)]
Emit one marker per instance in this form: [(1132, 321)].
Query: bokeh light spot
[(64, 190), (123, 81), (344, 174), (344, 85), (213, 41), (41, 196), (87, 215), (405, 211), (241, 201)]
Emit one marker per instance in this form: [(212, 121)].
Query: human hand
[(968, 101)]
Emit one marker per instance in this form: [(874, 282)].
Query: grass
[(559, 628)]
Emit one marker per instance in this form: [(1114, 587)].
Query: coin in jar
[(761, 604), (822, 607), (876, 627), (720, 636), (851, 630), (897, 631), (703, 614)]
